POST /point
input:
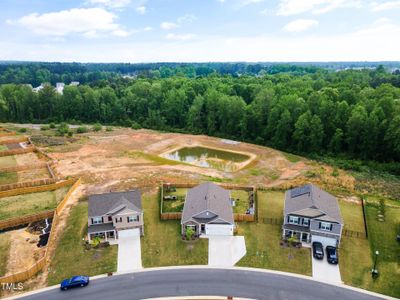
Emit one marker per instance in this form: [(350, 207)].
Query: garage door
[(219, 229), (129, 233), (325, 241)]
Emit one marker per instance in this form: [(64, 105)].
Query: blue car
[(76, 281)]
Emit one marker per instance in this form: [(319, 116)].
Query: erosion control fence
[(17, 151), (17, 140), (40, 264)]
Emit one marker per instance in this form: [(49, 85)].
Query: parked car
[(76, 281), (332, 255), (318, 250)]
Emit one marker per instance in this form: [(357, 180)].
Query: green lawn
[(71, 257), (4, 250), (8, 177), (162, 244), (3, 147), (262, 240), (352, 216), (175, 205), (242, 204), (17, 206), (7, 161)]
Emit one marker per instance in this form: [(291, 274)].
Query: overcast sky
[(199, 30)]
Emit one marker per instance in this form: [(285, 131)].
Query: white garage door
[(325, 241), (128, 233), (219, 229)]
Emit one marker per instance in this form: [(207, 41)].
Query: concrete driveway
[(324, 271), (225, 251), (129, 251)]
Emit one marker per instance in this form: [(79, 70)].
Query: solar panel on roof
[(300, 191)]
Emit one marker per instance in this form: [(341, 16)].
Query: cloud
[(110, 3), (188, 18), (90, 22), (180, 37), (300, 25), (294, 7), (168, 25), (141, 10), (376, 7)]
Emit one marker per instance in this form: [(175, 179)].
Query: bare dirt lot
[(126, 158)]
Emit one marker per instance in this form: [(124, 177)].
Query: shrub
[(109, 128), (70, 133), (189, 233), (23, 129), (97, 127), (52, 125), (82, 129), (136, 126), (335, 172), (63, 128), (44, 127)]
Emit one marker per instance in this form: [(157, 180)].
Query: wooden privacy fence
[(41, 263), (24, 168), (14, 222), (26, 184), (17, 151), (243, 218), (171, 216), (21, 139), (225, 186), (36, 189)]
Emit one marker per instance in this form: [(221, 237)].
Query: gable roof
[(208, 197), (311, 201), (112, 203)]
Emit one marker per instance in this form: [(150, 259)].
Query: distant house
[(60, 87), (113, 212), (74, 83), (311, 214), (39, 88), (208, 210)]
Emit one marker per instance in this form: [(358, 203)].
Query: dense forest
[(355, 113)]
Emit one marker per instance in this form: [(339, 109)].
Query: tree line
[(352, 112)]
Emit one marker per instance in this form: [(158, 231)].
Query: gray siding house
[(208, 210), (311, 214), (112, 212)]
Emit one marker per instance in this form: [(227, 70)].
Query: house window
[(118, 219), (109, 218), (133, 218), (97, 220), (306, 221), (325, 226), (293, 220)]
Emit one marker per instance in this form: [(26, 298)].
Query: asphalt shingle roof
[(112, 203), (208, 197), (306, 199)]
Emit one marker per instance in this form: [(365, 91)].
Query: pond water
[(208, 158)]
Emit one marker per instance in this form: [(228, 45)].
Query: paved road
[(204, 282)]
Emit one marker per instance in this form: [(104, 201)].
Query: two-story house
[(208, 210), (112, 212), (311, 214)]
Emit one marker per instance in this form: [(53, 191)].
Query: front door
[(304, 237), (203, 228)]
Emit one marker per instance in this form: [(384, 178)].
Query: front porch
[(301, 236), (106, 233)]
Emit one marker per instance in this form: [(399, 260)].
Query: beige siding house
[(112, 212)]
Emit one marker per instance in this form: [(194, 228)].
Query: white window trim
[(291, 218), (97, 220), (308, 221), (325, 226), (136, 219)]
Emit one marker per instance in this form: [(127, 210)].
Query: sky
[(199, 30)]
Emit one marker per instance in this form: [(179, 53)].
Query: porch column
[(105, 234)]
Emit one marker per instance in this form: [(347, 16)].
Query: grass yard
[(7, 161), (162, 244), (262, 240), (382, 237), (3, 148), (352, 216), (4, 250), (8, 177), (175, 205), (71, 257), (241, 201), (21, 205)]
